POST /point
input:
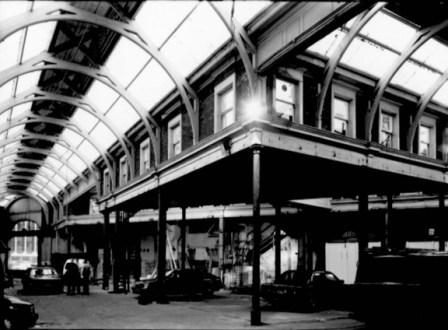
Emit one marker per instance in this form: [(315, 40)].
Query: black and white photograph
[(233, 164)]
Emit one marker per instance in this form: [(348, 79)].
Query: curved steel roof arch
[(60, 11), (421, 106), (46, 61), (45, 152), (53, 139), (15, 123), (43, 203), (36, 94), (36, 173), (419, 39), (36, 199), (6, 178), (60, 122), (36, 187), (330, 68)]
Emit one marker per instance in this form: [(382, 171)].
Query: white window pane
[(12, 8), (27, 81), (244, 11), (16, 130), (415, 78), (442, 95), (126, 60), (101, 96), (68, 174), (6, 91), (59, 180), (88, 151), (103, 136), (46, 172), (389, 31), (61, 151), (38, 39), (226, 100), (284, 91), (368, 58), (71, 137), (326, 46), (84, 119), (424, 134), (9, 50), (285, 110), (54, 162), (77, 163), (21, 109), (123, 115), (228, 119), (186, 49), (160, 18), (151, 85), (434, 54), (4, 117), (341, 108)]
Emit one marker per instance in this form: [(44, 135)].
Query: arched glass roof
[(172, 26)]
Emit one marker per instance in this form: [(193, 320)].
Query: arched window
[(23, 245)]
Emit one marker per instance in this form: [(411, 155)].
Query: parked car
[(42, 279), (392, 288), (19, 314), (140, 285), (297, 289), (182, 283)]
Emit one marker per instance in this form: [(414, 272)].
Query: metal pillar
[(363, 208), (386, 244), (441, 226), (69, 240), (221, 247), (255, 316), (115, 254), (39, 248), (161, 244), (106, 252), (277, 241), (183, 237)]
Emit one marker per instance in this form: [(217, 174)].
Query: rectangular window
[(285, 99), (424, 140), (427, 137), (144, 156), (174, 136), (106, 181), (124, 171), (387, 129), (343, 111), (225, 105), (389, 125)]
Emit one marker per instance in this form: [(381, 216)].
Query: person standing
[(85, 275)]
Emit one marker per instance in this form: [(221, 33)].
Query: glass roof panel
[(244, 11), (20, 109), (84, 119), (51, 186), (126, 61), (442, 95), (380, 28), (67, 173), (9, 158), (12, 8), (415, 78), (6, 91), (61, 151), (35, 192), (16, 130), (10, 50), (327, 45), (42, 197), (434, 54), (71, 137), (57, 164), (38, 39), (4, 117), (123, 115), (77, 163), (60, 180), (27, 81), (368, 57), (101, 96), (185, 49), (160, 18), (151, 85), (88, 151), (103, 136), (46, 172)]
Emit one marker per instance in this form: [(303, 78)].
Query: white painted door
[(342, 259)]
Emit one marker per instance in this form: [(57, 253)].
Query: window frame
[(347, 94), (124, 176), (429, 122), (144, 144), (106, 182), (228, 83), (393, 110), (294, 77), (177, 120)]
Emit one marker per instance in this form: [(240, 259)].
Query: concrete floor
[(102, 310)]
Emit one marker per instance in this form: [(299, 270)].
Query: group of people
[(76, 277)]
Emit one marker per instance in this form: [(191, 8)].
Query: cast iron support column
[(255, 316), (106, 252), (441, 226), (183, 238), (387, 224), (161, 244), (221, 247), (39, 247), (69, 240), (363, 207), (116, 251), (277, 243)]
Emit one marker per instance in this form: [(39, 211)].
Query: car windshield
[(42, 271)]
